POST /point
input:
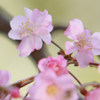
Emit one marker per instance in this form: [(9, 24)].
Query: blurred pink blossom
[(86, 44), (5, 78), (14, 92), (32, 29), (58, 65), (93, 95), (48, 86)]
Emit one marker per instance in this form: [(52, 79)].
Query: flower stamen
[(83, 40), (52, 90), (27, 28)]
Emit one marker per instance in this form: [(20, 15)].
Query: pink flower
[(32, 29), (48, 86), (5, 78), (58, 65), (14, 92), (86, 44), (93, 95)]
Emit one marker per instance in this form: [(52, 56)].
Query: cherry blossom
[(13, 92), (5, 78), (84, 43), (32, 29), (48, 86), (93, 95), (58, 64)]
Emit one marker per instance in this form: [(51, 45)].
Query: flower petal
[(68, 33), (96, 35), (5, 78), (76, 27), (84, 58), (45, 35), (70, 47), (26, 46), (88, 33), (37, 42), (96, 43), (96, 51), (14, 34), (96, 40), (36, 14), (43, 64), (17, 21), (28, 13)]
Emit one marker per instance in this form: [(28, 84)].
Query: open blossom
[(48, 86), (93, 95), (58, 65), (84, 43), (32, 29)]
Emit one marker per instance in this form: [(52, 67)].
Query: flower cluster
[(53, 81)]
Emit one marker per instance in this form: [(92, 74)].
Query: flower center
[(52, 90), (83, 40), (27, 28)]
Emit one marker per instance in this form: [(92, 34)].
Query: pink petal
[(61, 61), (36, 14), (68, 33), (96, 51), (76, 27), (5, 78), (70, 47), (96, 40), (45, 35), (17, 21), (14, 34), (15, 93), (96, 43), (48, 18), (43, 64), (96, 35), (84, 58), (28, 13), (50, 27), (88, 33), (26, 46), (37, 42)]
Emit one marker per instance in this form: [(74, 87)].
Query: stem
[(25, 95), (82, 90), (74, 77), (57, 46), (94, 84), (24, 82), (95, 64)]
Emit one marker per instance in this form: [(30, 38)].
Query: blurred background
[(62, 12)]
